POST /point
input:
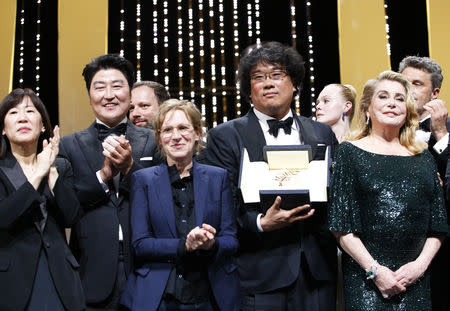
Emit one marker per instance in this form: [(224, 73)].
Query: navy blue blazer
[(155, 238)]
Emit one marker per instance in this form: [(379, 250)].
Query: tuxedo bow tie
[(275, 125), (425, 125), (104, 131)]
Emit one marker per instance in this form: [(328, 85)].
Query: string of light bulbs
[(166, 42), (388, 37), (191, 50), (310, 56), (223, 72), (122, 28), (138, 40), (236, 53), (22, 45), (212, 44), (201, 41), (155, 38), (180, 47), (294, 44)]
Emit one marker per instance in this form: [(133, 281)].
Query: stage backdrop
[(193, 46)]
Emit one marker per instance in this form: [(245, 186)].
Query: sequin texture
[(393, 203)]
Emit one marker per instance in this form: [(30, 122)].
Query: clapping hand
[(118, 159), (200, 238)]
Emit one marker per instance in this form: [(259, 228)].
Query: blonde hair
[(407, 131), (192, 113), (348, 92)]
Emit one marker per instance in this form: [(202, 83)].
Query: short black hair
[(108, 61), (13, 99), (270, 53)]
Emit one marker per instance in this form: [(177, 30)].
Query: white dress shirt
[(281, 139)]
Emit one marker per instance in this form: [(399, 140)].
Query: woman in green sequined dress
[(387, 208)]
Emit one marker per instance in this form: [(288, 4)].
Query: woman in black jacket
[(37, 203)]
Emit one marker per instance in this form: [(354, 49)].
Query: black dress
[(392, 203)]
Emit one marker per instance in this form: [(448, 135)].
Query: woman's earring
[(343, 116), (367, 120)]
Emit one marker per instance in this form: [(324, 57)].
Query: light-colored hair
[(192, 113), (407, 131), (348, 92)]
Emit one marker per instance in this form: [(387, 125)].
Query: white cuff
[(441, 144), (258, 223), (100, 180)]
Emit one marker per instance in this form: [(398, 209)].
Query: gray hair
[(424, 63)]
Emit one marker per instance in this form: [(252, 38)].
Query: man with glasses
[(287, 258)]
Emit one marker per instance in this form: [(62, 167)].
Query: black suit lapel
[(252, 136), (13, 171), (307, 133), (137, 141), (91, 147)]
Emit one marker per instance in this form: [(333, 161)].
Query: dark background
[(408, 36)]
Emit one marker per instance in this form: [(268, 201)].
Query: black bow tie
[(425, 125), (104, 131), (275, 125)]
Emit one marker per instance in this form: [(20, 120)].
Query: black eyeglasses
[(276, 75)]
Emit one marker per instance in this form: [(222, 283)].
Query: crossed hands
[(200, 238), (118, 159), (391, 283), (276, 217)]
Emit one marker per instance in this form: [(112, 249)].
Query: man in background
[(146, 96), (426, 78)]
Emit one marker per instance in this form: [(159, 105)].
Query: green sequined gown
[(393, 203)]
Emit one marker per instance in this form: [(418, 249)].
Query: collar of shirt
[(174, 176), (427, 117), (100, 122), (282, 138)]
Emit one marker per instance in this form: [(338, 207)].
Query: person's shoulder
[(150, 171), (70, 137), (315, 124), (229, 125), (210, 169)]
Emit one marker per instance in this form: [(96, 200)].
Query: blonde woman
[(387, 209)]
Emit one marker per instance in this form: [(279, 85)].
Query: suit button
[(47, 245), (180, 276)]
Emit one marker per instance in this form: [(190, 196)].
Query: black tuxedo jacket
[(443, 164), (271, 260), (21, 240), (95, 237)]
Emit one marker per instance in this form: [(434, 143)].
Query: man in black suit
[(287, 258), (426, 78), (103, 157)]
